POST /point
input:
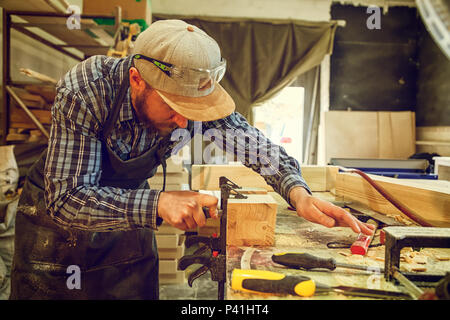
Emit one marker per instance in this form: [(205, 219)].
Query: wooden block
[(168, 266), (171, 178), (172, 166), (212, 226), (173, 253), (251, 221), (166, 228), (167, 240), (428, 199), (172, 278)]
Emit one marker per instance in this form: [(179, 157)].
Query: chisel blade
[(363, 292)]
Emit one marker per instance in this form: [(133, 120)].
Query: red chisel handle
[(361, 245)]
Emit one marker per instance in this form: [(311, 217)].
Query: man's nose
[(180, 121)]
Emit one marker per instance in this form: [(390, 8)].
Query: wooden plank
[(396, 135), (351, 134), (29, 5), (206, 177), (166, 228), (363, 134), (167, 240), (433, 139), (429, 200), (251, 221), (168, 266), (173, 253), (172, 278), (433, 133), (320, 178), (172, 166), (171, 178), (19, 119)]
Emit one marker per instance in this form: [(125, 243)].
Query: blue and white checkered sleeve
[(257, 152)]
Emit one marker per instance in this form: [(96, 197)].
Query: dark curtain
[(263, 56)]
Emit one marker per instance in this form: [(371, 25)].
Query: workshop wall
[(433, 95), (315, 10), (374, 70), (398, 67)]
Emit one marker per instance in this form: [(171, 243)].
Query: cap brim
[(217, 105)]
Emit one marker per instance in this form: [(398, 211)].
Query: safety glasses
[(201, 79)]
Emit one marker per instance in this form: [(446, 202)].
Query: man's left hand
[(325, 213)]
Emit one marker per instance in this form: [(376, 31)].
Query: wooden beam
[(428, 199), (206, 177)]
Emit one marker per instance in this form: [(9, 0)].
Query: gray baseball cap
[(184, 65)]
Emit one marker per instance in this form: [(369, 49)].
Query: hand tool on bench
[(215, 261), (264, 282), (308, 261)]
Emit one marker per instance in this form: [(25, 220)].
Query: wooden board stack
[(177, 177), (170, 242), (39, 99)]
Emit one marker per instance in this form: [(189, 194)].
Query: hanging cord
[(389, 197)]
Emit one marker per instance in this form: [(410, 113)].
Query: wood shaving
[(420, 260), (443, 258), (345, 254), (419, 269)]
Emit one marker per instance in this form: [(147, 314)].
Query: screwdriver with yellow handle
[(262, 281), (266, 282)]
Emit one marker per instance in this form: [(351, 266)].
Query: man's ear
[(136, 81)]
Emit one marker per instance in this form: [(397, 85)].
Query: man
[(111, 128)]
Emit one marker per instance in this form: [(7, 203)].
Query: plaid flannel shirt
[(73, 167)]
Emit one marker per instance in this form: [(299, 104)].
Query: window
[(281, 120)]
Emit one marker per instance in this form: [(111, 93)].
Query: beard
[(162, 128)]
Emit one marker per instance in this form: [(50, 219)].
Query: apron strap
[(117, 103)]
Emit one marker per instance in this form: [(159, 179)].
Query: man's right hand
[(183, 209)]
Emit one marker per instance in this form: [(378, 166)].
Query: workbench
[(295, 234)]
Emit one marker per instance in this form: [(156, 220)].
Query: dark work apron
[(113, 265)]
